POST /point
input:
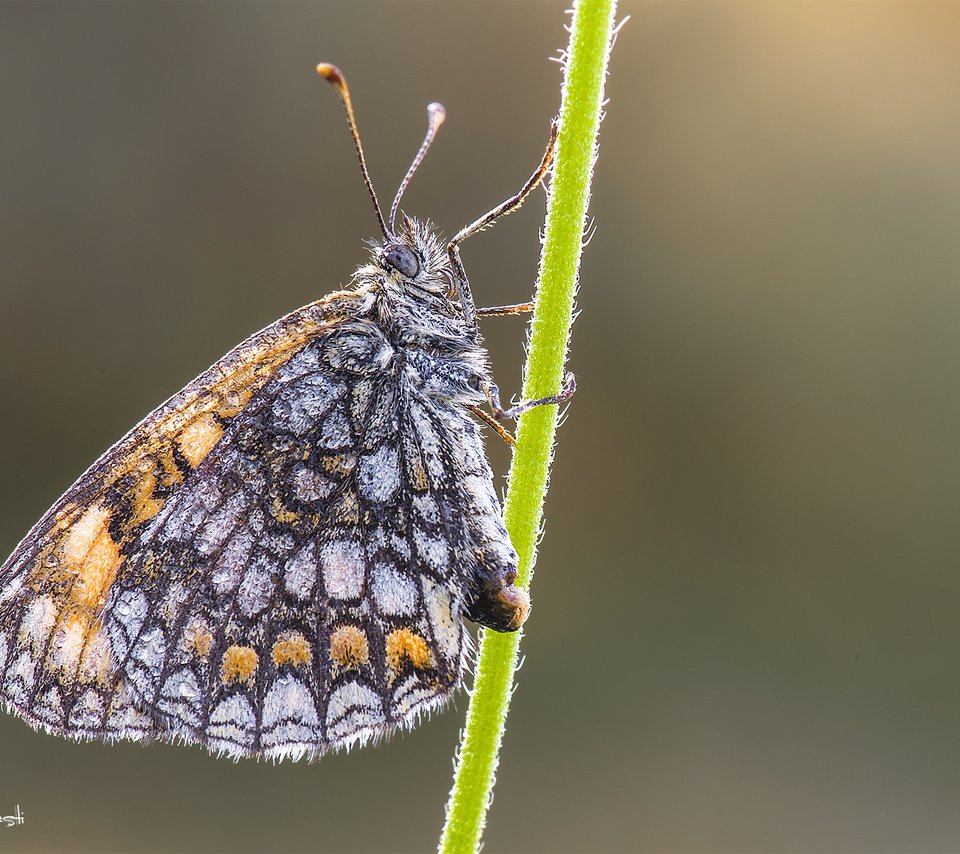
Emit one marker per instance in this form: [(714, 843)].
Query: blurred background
[(747, 605)]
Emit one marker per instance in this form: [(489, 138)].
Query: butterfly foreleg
[(493, 398), (489, 419), (505, 310)]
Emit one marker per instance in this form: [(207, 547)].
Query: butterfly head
[(415, 259), (416, 255)]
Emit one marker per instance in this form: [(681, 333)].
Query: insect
[(278, 560)]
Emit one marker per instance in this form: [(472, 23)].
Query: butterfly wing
[(309, 603), (54, 587), (273, 563)]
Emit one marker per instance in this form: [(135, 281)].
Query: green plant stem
[(582, 97)]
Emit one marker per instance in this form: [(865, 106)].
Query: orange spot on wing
[(236, 401), (143, 505), (239, 665), (198, 438), (292, 648), (92, 556), (403, 644), (348, 647)]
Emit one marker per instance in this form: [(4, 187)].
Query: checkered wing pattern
[(274, 563)]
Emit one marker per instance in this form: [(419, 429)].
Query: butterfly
[(278, 561)]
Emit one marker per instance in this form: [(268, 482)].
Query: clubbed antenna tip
[(334, 76)]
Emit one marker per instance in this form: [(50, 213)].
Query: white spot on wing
[(433, 550), (429, 442), (288, 699), (67, 646), (400, 546), (378, 475), (147, 661), (412, 697), (87, 711), (49, 707), (20, 678), (480, 489), (221, 525), (303, 402), (335, 430), (38, 622), (291, 726), (305, 362), (352, 708), (473, 459), (126, 617), (301, 573), (12, 588), (395, 593), (126, 720), (257, 586), (175, 599), (343, 569), (229, 567), (445, 625), (193, 511), (426, 508), (232, 724), (180, 697)]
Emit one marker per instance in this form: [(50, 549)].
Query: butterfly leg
[(504, 310), (510, 205), (493, 396), (483, 416)]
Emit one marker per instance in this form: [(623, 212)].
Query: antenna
[(435, 116), (335, 77)]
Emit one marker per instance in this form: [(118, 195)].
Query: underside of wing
[(275, 563), (312, 600), (53, 589)]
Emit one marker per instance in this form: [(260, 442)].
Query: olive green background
[(747, 606)]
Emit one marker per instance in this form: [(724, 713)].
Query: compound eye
[(402, 259)]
